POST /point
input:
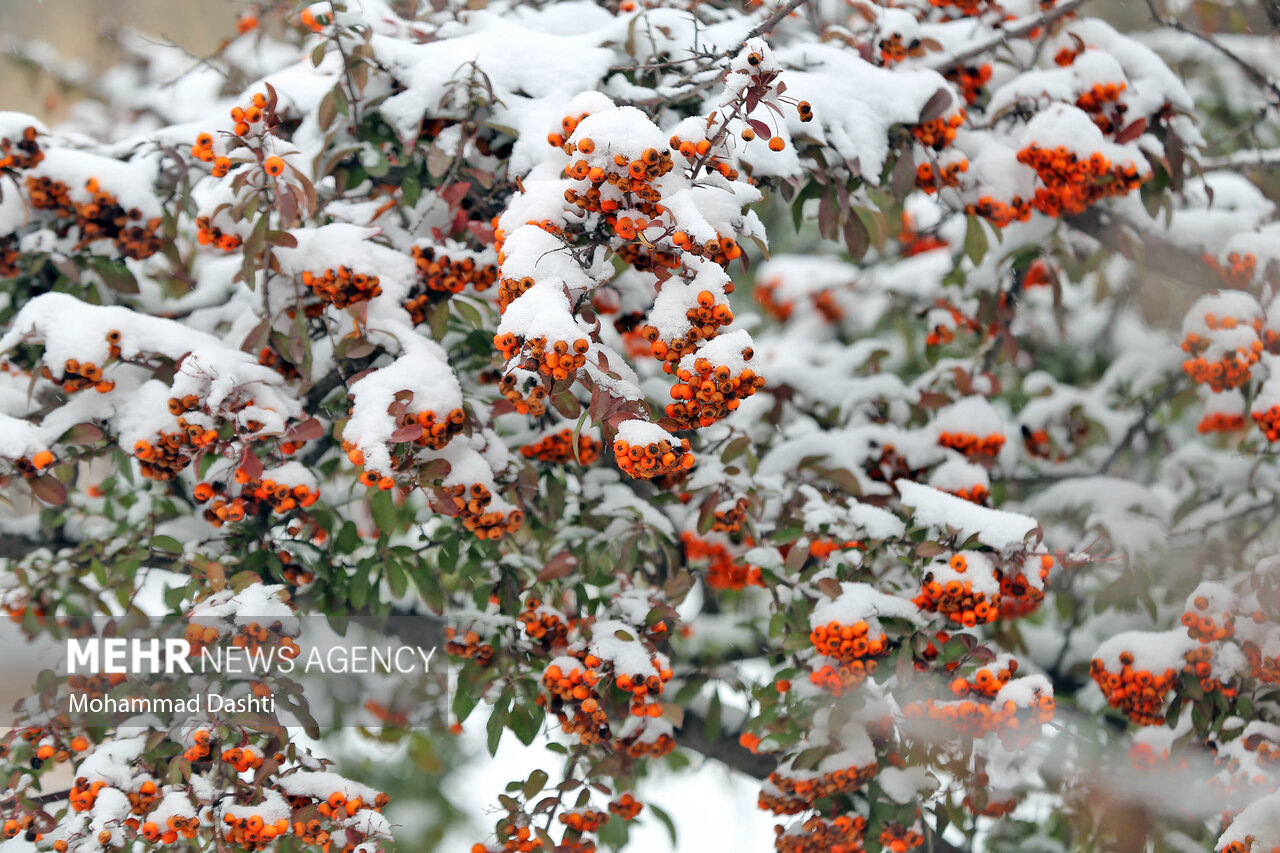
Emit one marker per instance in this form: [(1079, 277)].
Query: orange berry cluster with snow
[(971, 426), (258, 109), (1208, 616), (22, 152), (713, 382), (1220, 336), (841, 834), (208, 234), (992, 701), (845, 768), (848, 638), (1136, 670), (100, 208), (938, 133), (644, 450), (931, 177), (964, 588), (1076, 166)]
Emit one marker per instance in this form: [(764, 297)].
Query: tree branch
[(1267, 158), (1018, 30), (1256, 76), (1147, 249), (692, 734)]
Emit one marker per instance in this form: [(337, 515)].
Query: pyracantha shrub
[(880, 399)]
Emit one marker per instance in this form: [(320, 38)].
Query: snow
[(999, 529)]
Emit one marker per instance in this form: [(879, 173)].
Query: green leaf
[(397, 580), (535, 783), (495, 726), (666, 821), (410, 189), (166, 544), (975, 240)]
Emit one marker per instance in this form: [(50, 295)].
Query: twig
[(1261, 80), (1170, 390), (1268, 158), (1018, 31)]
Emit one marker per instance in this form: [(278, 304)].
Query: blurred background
[(86, 31)]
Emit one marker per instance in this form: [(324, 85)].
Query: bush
[(800, 386)]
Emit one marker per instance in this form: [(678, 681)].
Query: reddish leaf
[(561, 565), (1131, 131), (307, 430), (937, 105), (250, 464), (49, 490), (408, 432)]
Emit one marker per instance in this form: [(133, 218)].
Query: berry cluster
[(938, 133), (653, 459), (571, 689), (722, 571), (203, 151), (472, 504), (100, 218), (543, 625), (1019, 596), (208, 234), (785, 794), (79, 375), (842, 834), (710, 392), (585, 819), (1238, 271), (440, 276), (731, 520), (1220, 422), (468, 646), (945, 589), (1202, 626), (853, 647), (1000, 213), (705, 319), (970, 79), (1268, 421), (896, 838), (978, 716), (559, 361), (342, 287), (977, 493), (246, 117), (972, 445), (1139, 693), (930, 178), (253, 833), (558, 448), (24, 153), (1102, 104), (626, 807), (893, 49), (1072, 183), (257, 497), (532, 400), (1199, 664)]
